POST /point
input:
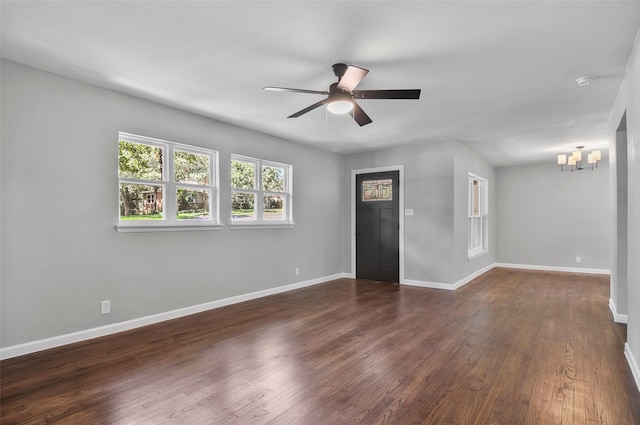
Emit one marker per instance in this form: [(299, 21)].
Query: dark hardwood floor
[(511, 347)]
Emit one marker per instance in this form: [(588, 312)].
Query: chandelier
[(574, 160)]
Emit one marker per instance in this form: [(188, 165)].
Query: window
[(478, 211), (164, 184), (260, 192), (377, 190)]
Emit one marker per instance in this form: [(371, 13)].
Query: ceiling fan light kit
[(341, 95), (339, 102), (340, 106)]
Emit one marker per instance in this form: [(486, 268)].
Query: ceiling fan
[(341, 97)]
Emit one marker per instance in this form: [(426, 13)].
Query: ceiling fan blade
[(295, 90), (359, 115), (387, 94), (352, 77), (308, 108)]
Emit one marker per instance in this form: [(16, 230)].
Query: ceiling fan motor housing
[(339, 69)]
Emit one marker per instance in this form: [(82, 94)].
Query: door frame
[(354, 173)]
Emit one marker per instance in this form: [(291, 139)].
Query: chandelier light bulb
[(562, 159), (577, 155)]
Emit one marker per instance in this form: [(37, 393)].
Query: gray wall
[(60, 254), (436, 188), (547, 217), (628, 101)]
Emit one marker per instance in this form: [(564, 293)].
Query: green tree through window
[(150, 193), (141, 162), (260, 197)]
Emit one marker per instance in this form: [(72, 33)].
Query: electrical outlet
[(297, 271), (578, 259), (105, 307)]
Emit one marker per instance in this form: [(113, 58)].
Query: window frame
[(259, 193), (170, 221), (478, 217)]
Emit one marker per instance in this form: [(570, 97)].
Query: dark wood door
[(378, 226)]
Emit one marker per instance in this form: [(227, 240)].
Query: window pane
[(140, 202), (475, 239), (243, 206), (193, 204), (377, 190), (136, 160), (475, 198), (243, 174), (272, 179), (191, 167), (274, 208)]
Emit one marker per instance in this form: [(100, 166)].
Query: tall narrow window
[(165, 184), (260, 192), (478, 212)]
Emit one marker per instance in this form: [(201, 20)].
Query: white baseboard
[(553, 268), (633, 364), (430, 285), (57, 341), (617, 317), (447, 286)]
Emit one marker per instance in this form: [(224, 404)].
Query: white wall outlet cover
[(105, 307)]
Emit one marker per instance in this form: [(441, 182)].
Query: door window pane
[(377, 190)]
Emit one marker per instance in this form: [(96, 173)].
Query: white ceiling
[(498, 76)]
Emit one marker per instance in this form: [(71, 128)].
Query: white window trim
[(482, 216), (135, 228), (170, 223), (259, 222)]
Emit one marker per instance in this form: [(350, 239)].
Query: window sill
[(477, 253), (248, 226), (166, 228)]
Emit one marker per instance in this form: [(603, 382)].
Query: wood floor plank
[(510, 347)]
